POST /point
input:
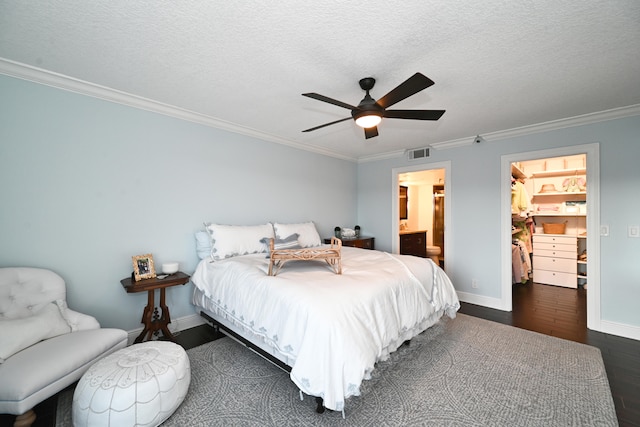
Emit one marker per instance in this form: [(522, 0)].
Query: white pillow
[(232, 240), (307, 233), (18, 334)]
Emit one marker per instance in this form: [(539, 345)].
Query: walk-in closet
[(549, 221)]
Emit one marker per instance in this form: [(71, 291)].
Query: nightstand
[(357, 242), (153, 320)]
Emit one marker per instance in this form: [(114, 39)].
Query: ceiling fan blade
[(413, 114), (370, 132), (327, 124), (330, 100), (411, 86)]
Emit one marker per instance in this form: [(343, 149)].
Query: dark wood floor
[(549, 310)]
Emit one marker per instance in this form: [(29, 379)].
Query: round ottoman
[(140, 385), (433, 252)]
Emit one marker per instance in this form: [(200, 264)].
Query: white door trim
[(593, 223)]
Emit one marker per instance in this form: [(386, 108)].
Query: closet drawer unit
[(562, 265), (555, 260), (556, 253), (556, 278)]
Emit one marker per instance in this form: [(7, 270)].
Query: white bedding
[(331, 328)]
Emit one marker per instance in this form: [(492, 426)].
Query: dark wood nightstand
[(152, 320), (357, 242)]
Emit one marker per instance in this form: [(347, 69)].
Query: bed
[(328, 329)]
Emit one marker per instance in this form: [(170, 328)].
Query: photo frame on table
[(143, 267)]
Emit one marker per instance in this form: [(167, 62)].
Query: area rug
[(461, 372)]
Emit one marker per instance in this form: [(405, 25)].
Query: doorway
[(591, 223), (428, 209), (438, 218)]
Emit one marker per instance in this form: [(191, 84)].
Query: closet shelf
[(516, 172), (561, 172), (561, 193), (559, 214)]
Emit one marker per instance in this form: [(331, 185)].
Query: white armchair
[(44, 346)]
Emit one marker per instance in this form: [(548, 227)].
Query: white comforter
[(334, 327)]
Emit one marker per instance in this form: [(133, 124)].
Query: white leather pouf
[(140, 385)]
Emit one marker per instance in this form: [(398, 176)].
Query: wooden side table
[(153, 320), (357, 242)]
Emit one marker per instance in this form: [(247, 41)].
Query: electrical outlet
[(474, 283), (634, 231)]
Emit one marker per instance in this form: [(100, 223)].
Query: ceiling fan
[(370, 112)]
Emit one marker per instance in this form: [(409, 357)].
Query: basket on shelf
[(554, 228)]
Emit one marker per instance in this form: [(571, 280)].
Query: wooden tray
[(332, 255)]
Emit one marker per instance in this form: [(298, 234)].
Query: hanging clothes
[(519, 198), (521, 263), (520, 205)]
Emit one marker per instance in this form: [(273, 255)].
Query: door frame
[(592, 152), (395, 224)]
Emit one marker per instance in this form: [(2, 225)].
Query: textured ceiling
[(496, 64)]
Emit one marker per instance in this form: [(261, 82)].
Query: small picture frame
[(143, 267)]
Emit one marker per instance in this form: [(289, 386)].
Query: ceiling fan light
[(368, 121)]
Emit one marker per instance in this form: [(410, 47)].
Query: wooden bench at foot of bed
[(332, 255)]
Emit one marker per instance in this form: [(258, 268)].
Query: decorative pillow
[(289, 242), (18, 334), (203, 244), (232, 240), (307, 233)]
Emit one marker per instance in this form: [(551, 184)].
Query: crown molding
[(382, 156), (61, 81), (585, 119)]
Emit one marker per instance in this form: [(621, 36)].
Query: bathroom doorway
[(427, 209)]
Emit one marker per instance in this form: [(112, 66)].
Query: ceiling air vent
[(418, 153)]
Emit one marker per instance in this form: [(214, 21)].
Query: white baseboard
[(489, 302), (176, 325), (620, 329)]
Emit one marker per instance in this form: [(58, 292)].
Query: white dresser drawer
[(555, 253), (555, 238), (563, 265), (555, 278), (555, 247)]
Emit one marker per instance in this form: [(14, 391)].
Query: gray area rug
[(461, 372)]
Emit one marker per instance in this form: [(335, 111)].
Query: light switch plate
[(604, 230), (634, 231)]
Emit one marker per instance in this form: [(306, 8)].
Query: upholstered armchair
[(44, 346)]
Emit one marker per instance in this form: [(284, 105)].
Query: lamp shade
[(369, 120)]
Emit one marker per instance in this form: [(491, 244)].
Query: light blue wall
[(476, 203), (87, 183)]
